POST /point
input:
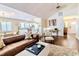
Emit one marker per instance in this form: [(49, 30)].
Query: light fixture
[(58, 6)]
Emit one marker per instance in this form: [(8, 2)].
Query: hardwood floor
[(70, 41), (60, 41)]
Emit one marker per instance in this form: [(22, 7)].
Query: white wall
[(77, 33), (69, 11), (60, 23), (78, 22)]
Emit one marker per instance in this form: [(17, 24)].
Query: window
[(24, 25), (27, 25), (35, 27), (23, 28), (6, 26)]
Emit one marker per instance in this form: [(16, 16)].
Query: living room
[(39, 29)]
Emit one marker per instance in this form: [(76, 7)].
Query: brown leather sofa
[(15, 45)]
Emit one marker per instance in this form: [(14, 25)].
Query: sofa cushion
[(15, 48), (12, 39), (1, 42), (35, 36)]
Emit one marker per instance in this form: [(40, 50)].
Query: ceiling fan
[(58, 6), (61, 6)]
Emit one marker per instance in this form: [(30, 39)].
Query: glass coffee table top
[(36, 48)]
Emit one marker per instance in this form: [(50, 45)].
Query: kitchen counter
[(51, 50)]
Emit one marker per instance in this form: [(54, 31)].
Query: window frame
[(7, 29)]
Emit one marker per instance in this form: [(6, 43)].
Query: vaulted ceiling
[(43, 10)]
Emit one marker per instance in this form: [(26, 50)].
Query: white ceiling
[(43, 10)]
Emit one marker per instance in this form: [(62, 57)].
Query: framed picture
[(52, 22)]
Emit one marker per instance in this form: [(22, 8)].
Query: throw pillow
[(1, 42)]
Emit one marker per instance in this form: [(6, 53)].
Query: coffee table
[(44, 52)]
